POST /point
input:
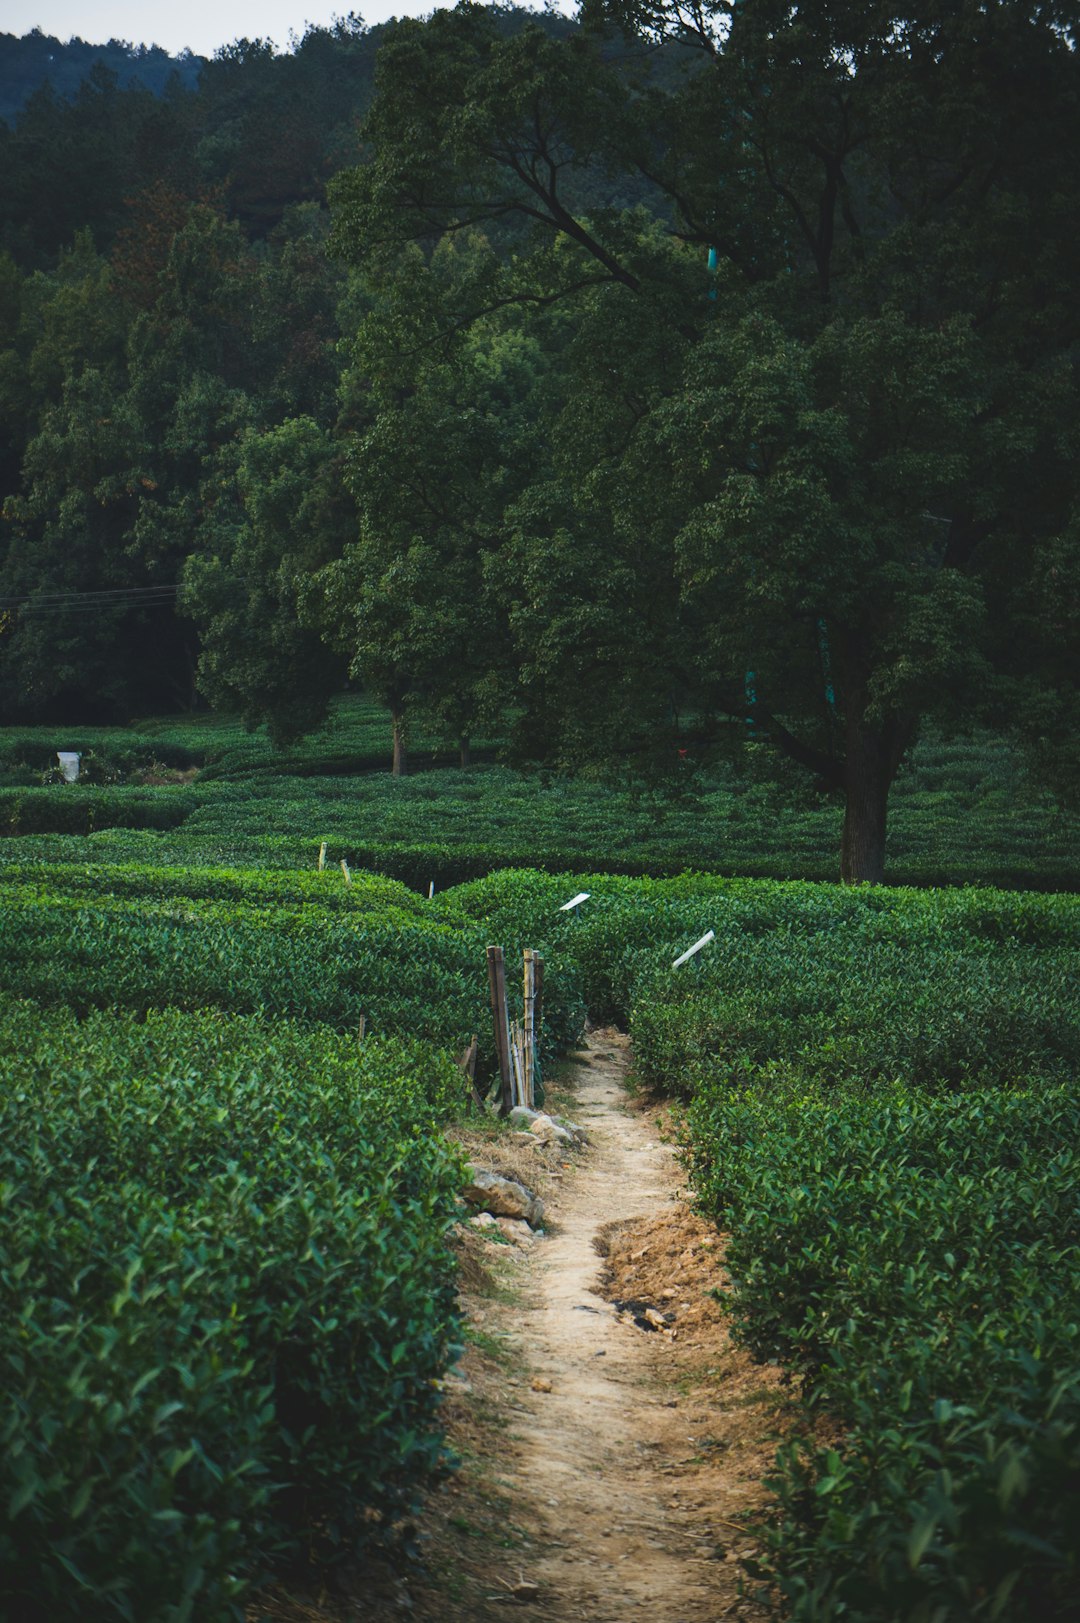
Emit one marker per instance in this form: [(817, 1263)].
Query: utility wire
[(91, 599)]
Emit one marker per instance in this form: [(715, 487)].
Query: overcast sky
[(200, 25)]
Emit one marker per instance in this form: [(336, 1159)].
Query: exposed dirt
[(612, 1438)]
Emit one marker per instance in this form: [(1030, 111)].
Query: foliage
[(879, 1081), (820, 491), (915, 1258), (964, 812), (306, 948), (227, 1300)]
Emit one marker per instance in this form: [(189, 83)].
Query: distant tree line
[(666, 380), (30, 61)]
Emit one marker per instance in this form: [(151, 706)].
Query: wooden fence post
[(530, 1028), (497, 983)]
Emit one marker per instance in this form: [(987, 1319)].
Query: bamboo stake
[(538, 1008), (322, 856), (530, 1028), (345, 871), (497, 986)]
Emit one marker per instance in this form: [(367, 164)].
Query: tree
[(279, 510), (443, 443), (852, 461)]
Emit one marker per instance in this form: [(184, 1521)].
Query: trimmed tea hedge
[(918, 1260), (961, 813), (227, 1299), (303, 946)]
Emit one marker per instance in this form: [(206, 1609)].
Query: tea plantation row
[(877, 1082), (883, 1113), (226, 1298), (962, 813)]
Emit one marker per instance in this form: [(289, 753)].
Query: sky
[(199, 25)]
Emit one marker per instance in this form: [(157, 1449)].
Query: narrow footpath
[(631, 1454), (631, 1518), (612, 1439)]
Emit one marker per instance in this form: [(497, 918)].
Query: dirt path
[(602, 1456), (607, 1469), (632, 1455)]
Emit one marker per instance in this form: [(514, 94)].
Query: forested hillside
[(30, 61), (648, 383)]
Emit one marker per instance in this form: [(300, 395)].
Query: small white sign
[(710, 935), (575, 901)]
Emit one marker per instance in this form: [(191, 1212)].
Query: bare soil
[(612, 1438)]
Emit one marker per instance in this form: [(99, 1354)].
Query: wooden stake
[(468, 1065), (538, 1007), (497, 985), (345, 871), (530, 1028), (322, 856), (517, 1052), (361, 1027)]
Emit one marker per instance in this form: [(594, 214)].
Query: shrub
[(227, 1298)]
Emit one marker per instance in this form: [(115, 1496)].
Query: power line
[(102, 597)]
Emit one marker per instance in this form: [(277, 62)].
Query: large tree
[(442, 440), (846, 451)]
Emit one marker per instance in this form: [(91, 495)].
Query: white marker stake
[(430, 889), (345, 871), (322, 856), (690, 951), (575, 901)]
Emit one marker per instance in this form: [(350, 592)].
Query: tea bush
[(303, 947), (917, 1259), (960, 813), (226, 1298)]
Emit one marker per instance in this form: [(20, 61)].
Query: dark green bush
[(77, 808), (226, 1300), (917, 1260)]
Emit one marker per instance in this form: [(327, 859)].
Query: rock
[(482, 1220), (514, 1229), (503, 1197), (549, 1132), (578, 1134), (521, 1116), (541, 1383)]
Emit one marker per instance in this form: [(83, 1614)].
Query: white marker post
[(575, 901), (345, 871), (710, 935)]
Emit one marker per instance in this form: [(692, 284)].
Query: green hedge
[(226, 1300), (917, 1260), (75, 808), (295, 947)]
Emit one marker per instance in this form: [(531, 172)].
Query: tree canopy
[(674, 378), (845, 448)]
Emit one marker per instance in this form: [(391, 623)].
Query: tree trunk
[(401, 753), (873, 755), (464, 752)]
